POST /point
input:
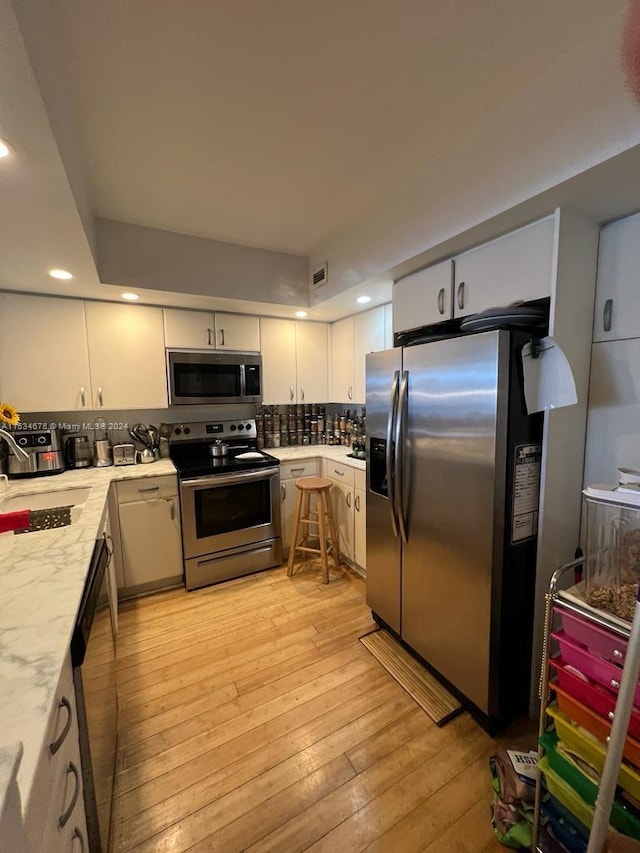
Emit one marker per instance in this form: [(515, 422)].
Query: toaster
[(124, 454)]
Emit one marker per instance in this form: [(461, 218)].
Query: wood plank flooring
[(252, 719)]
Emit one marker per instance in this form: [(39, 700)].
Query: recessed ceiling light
[(362, 300), (301, 314), (130, 296), (4, 149), (63, 274)]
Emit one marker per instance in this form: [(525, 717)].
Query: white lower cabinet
[(150, 539), (289, 473), (360, 528), (343, 502), (55, 819)]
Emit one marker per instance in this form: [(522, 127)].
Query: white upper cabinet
[(189, 329), (368, 336), (294, 361), (237, 332), (312, 357), (342, 361), (202, 329), (617, 312), (279, 380), (126, 355), (518, 266), (423, 298), (44, 362)]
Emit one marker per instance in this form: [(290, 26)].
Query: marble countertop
[(42, 577), (336, 453)]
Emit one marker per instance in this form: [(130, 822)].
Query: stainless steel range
[(230, 501)]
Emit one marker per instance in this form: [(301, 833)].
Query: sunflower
[(9, 414)]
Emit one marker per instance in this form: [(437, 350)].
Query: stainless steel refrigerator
[(452, 511)]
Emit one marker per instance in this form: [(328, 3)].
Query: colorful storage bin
[(605, 673), (591, 750), (598, 641)]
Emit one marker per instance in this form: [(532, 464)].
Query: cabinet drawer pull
[(611, 715), (618, 654), (82, 400), (441, 301), (209, 337), (55, 746), (77, 833), (460, 296), (283, 490), (149, 489), (339, 473), (615, 684), (606, 315), (62, 820), (349, 499), (295, 470), (221, 337), (357, 503)]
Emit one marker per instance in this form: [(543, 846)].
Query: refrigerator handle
[(399, 451), (393, 410)]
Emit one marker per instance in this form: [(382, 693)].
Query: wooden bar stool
[(305, 518)]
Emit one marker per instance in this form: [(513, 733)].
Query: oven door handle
[(229, 479)]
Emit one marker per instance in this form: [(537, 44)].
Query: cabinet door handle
[(100, 403), (606, 315), (302, 392), (82, 400), (283, 491), (62, 820), (357, 503), (350, 392), (57, 743), (149, 489), (441, 301), (172, 508), (615, 684), (349, 499), (618, 655), (77, 833), (291, 392), (209, 337), (339, 473), (460, 295), (221, 337), (295, 470)]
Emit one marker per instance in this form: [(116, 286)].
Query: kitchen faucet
[(13, 447)]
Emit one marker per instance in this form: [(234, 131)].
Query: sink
[(44, 500)]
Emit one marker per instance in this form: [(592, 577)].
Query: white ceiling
[(278, 124)]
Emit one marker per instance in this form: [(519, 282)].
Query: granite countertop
[(42, 577)]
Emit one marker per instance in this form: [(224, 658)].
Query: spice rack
[(575, 718)]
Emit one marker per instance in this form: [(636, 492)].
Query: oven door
[(203, 378), (229, 511)]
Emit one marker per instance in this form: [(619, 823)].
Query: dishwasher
[(94, 678)]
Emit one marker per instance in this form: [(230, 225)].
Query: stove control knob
[(248, 426), (187, 430), (240, 426), (177, 431), (233, 427)]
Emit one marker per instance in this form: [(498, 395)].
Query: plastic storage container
[(600, 642), (613, 548)]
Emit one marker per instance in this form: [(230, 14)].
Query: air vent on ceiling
[(319, 276)]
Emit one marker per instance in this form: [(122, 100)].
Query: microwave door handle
[(393, 409), (243, 381), (399, 453)]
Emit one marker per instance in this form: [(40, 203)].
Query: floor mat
[(427, 691)]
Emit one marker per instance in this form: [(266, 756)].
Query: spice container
[(612, 563)]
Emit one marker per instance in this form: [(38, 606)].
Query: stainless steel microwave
[(198, 378)]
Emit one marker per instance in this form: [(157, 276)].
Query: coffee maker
[(44, 453), (78, 452)]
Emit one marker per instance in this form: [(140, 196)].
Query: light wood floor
[(252, 719)]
